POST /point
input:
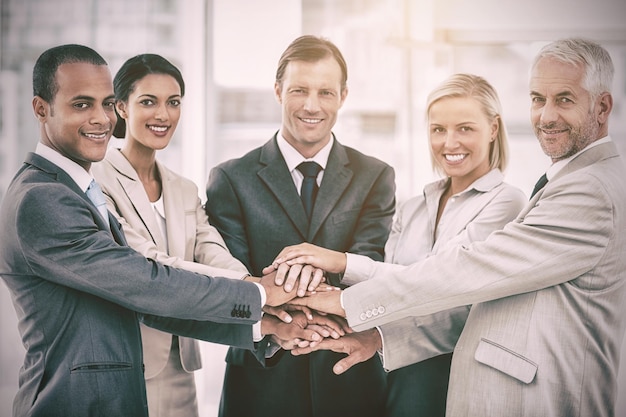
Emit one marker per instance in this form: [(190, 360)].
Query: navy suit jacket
[(77, 291)]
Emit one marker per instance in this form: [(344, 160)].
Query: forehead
[(84, 79), (457, 109), (323, 71), (157, 84), (553, 76)]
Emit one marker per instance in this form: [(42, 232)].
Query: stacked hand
[(313, 308)]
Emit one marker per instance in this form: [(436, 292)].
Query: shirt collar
[(484, 184), (558, 165), (81, 177), (293, 158)]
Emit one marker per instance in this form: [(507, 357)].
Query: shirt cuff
[(263, 294)]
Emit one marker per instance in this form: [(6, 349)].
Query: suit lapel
[(337, 177), (273, 174), (173, 201), (133, 188), (62, 176)]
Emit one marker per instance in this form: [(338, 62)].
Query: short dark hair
[(44, 72), (133, 70), (311, 49)]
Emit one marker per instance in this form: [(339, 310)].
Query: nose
[(103, 115), (312, 104), (450, 141), (548, 113), (161, 113)]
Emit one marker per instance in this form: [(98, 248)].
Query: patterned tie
[(94, 192), (309, 189), (543, 180)]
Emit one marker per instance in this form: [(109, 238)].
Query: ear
[(344, 94), (495, 127), (120, 106), (604, 105), (277, 93), (41, 108)]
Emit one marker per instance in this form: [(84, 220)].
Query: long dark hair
[(134, 70)]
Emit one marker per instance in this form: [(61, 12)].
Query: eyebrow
[(89, 98), (154, 97)]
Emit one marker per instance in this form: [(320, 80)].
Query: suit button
[(375, 312), (363, 317), (233, 312), (368, 313), (381, 310)]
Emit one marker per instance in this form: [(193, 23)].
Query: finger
[(330, 322), (321, 330), (305, 278), (279, 312), (281, 272), (268, 269), (318, 276), (344, 364), (292, 277)]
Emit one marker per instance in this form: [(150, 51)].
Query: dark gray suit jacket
[(254, 204), (77, 290)]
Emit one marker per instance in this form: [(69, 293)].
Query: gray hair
[(595, 59)]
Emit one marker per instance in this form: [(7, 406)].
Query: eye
[(109, 105), (537, 100), (147, 102), (327, 93), (437, 129), (465, 129), (81, 105), (175, 103), (564, 100)]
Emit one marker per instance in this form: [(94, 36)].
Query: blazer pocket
[(505, 360)]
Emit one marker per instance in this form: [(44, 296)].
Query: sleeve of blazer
[(65, 246), (238, 335), (376, 216), (559, 239), (225, 213)]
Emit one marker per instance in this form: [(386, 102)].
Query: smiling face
[(310, 95), (152, 111), (79, 121), (460, 139), (564, 117)]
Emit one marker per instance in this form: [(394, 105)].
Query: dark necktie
[(543, 180), (308, 192), (95, 194)]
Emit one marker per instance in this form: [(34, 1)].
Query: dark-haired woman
[(162, 217)]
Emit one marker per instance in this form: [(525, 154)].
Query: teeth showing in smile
[(159, 129), (455, 157), (94, 136), (311, 120)]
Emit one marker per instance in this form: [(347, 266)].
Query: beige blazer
[(549, 299), (193, 244)]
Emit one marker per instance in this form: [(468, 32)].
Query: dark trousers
[(304, 386), (419, 389)]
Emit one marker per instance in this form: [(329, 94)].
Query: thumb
[(344, 364)]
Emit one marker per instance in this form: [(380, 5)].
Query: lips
[(97, 135), (457, 157), (158, 129), (311, 121)]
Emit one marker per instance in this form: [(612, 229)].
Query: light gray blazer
[(193, 243), (548, 292)]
